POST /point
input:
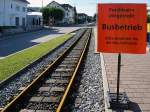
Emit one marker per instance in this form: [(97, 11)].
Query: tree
[(46, 15), (75, 16), (148, 18), (57, 14), (95, 17), (52, 13), (89, 19)]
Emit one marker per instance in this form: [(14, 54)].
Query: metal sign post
[(118, 77), (118, 99)]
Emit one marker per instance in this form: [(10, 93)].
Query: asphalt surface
[(15, 43)]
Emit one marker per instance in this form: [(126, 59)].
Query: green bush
[(148, 18), (55, 14)]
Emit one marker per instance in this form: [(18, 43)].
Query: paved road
[(22, 41)]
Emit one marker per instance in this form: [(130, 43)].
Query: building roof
[(35, 13), (25, 1), (66, 6), (34, 9), (52, 3), (82, 14)]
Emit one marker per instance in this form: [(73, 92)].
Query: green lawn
[(16, 62)]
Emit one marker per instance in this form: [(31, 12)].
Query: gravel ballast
[(10, 89), (89, 96)]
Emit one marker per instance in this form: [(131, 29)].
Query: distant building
[(82, 18), (54, 4), (148, 10), (70, 11), (13, 12)]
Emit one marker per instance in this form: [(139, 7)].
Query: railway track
[(48, 92)]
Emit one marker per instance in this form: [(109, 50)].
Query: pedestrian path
[(16, 43), (135, 78)]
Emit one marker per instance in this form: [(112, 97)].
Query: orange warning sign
[(122, 28)]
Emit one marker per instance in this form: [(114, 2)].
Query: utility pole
[(4, 15), (75, 15), (42, 3)]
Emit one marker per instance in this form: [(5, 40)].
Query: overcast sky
[(85, 6)]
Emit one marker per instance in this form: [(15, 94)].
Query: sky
[(82, 6), (85, 6)]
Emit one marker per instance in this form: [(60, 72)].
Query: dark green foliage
[(57, 14), (46, 15), (95, 17), (89, 19), (148, 18), (54, 14)]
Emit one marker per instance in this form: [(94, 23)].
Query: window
[(17, 8), (24, 9), (67, 14), (11, 6), (17, 21), (23, 22)]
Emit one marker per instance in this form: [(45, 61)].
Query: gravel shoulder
[(90, 93)]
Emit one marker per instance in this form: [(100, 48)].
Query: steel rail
[(9, 107), (73, 77)]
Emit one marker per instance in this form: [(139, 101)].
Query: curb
[(8, 36), (105, 83), (5, 37)]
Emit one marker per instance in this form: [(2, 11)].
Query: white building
[(70, 12), (13, 12), (148, 10)]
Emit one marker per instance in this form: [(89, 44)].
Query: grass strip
[(14, 63)]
